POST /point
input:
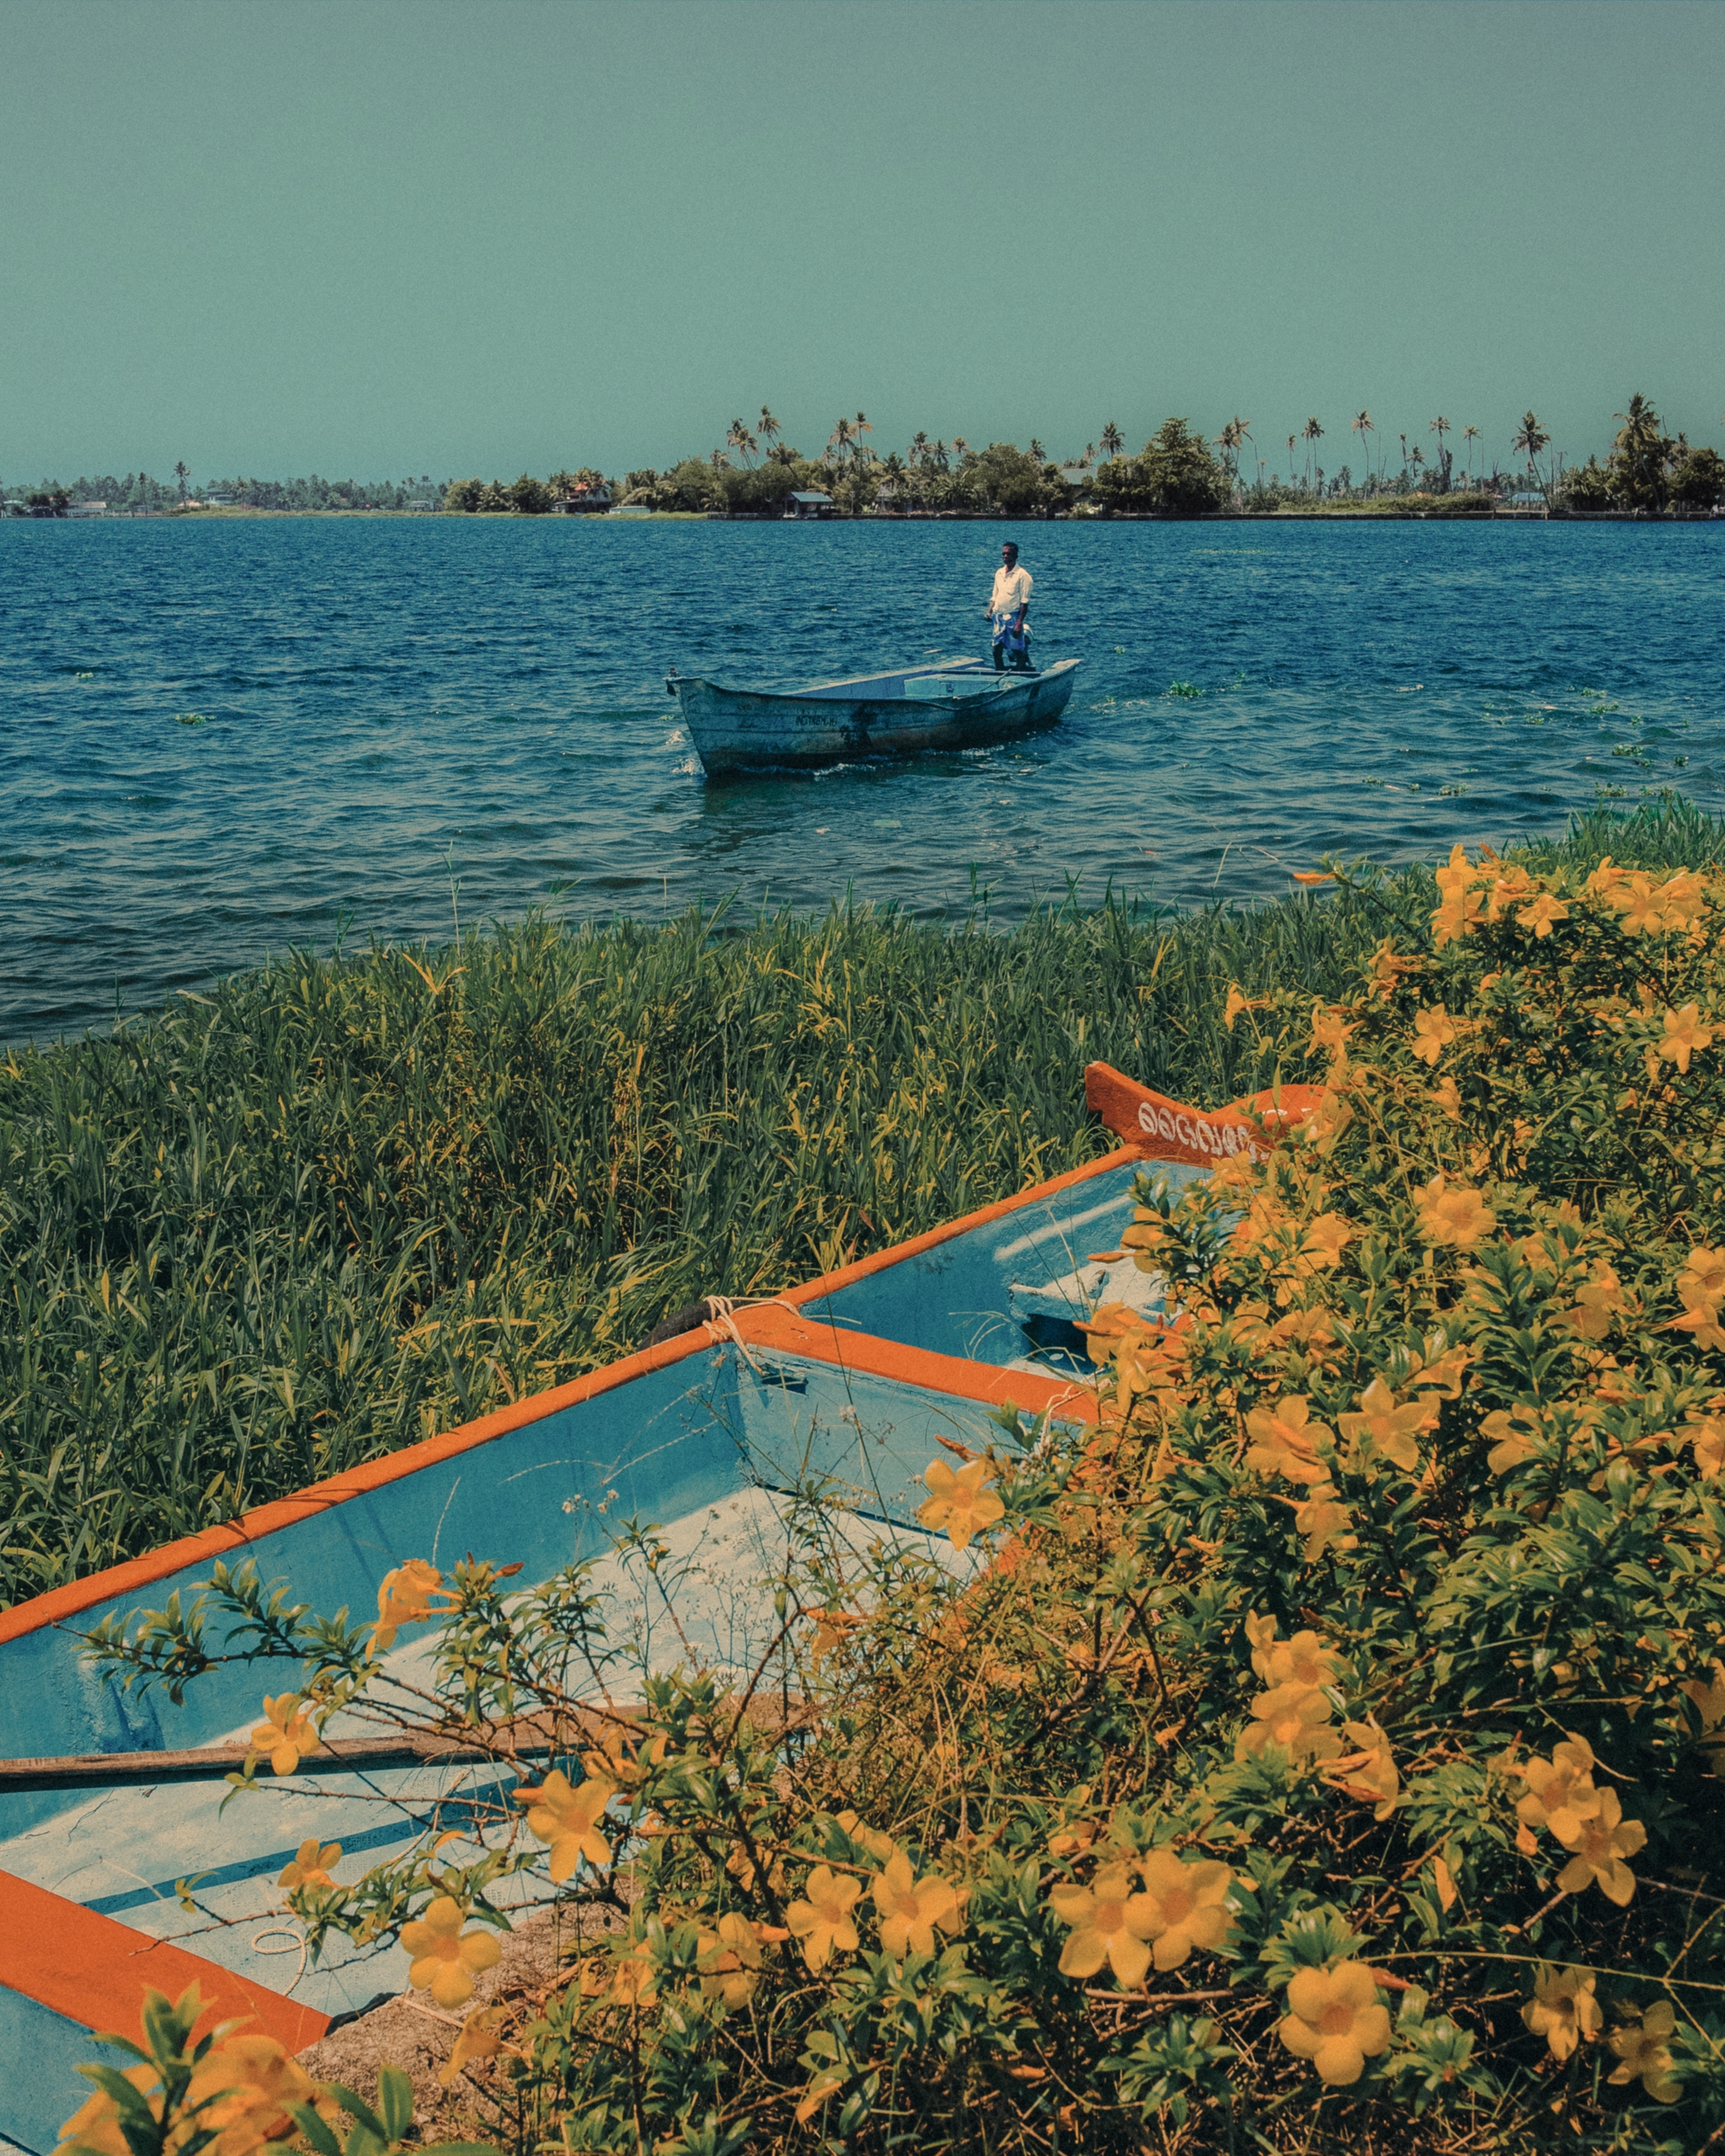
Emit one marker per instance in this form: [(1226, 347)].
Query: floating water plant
[(189, 718)]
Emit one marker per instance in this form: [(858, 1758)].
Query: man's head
[(1009, 554)]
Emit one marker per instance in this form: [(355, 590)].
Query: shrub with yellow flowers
[(1324, 1754)]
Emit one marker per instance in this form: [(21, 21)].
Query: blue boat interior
[(1011, 1291)]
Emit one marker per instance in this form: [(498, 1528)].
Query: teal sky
[(449, 237)]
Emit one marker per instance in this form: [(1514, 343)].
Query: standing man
[(1009, 604)]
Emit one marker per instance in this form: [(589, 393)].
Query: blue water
[(392, 707)]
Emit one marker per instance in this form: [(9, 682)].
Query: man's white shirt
[(1012, 590)]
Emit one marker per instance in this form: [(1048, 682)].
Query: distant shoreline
[(1399, 512)]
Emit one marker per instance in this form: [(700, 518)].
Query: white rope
[(722, 1324), (295, 1940)]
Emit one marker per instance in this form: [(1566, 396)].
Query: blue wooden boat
[(952, 704), (109, 1802)]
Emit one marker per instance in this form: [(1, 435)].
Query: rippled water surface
[(387, 707)]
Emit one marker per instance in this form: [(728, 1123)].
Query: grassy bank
[(333, 1207)]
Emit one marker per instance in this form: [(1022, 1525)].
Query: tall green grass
[(335, 1206)]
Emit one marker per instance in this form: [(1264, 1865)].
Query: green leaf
[(357, 2107), (322, 2140), (395, 2095)]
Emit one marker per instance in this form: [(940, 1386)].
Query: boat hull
[(752, 729)]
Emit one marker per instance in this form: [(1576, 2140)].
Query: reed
[(340, 1203)]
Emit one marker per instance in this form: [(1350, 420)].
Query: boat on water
[(116, 1866), (949, 703)]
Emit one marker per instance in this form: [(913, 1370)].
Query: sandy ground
[(413, 2034)]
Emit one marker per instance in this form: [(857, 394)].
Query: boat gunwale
[(134, 1574), (1011, 679)]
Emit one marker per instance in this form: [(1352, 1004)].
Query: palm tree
[(1363, 426), (1530, 438), (1313, 433), (738, 437), (919, 448), (1113, 439), (770, 430), (861, 428), (182, 472), (841, 437), (1089, 455), (1228, 442), (936, 456), (960, 447), (1291, 440), (1470, 436), (1440, 427)]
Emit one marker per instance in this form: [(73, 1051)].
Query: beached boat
[(953, 703), (117, 1869)]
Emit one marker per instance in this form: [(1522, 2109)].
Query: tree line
[(1178, 473)]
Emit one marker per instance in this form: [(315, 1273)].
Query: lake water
[(390, 706)]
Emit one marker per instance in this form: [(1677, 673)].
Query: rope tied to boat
[(721, 1325)]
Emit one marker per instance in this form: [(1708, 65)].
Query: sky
[(391, 237)]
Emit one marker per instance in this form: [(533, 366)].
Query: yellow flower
[(1433, 1030), (1189, 1902), (1702, 1282), (822, 1919), (1333, 2019), (404, 1598), (246, 2085), (1601, 1840), (1446, 1097), (1380, 1426), (832, 1628), (285, 1733), (1643, 2053), (1708, 1434), (95, 2125), (909, 1909), (962, 1503), (881, 1846), (313, 1867), (1304, 1659), (1561, 1791), (1330, 1031), (1540, 913), (1460, 1216), (631, 1978), (1322, 1519), (1231, 1009), (1294, 1717), (1641, 906), (1563, 2008), (1284, 1441), (1109, 1923), (1369, 1774), (1323, 1243), (729, 1960), (1514, 1434), (567, 1818), (478, 2039), (1457, 873), (1685, 1036), (445, 1961), (1710, 1701), (1459, 912)]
